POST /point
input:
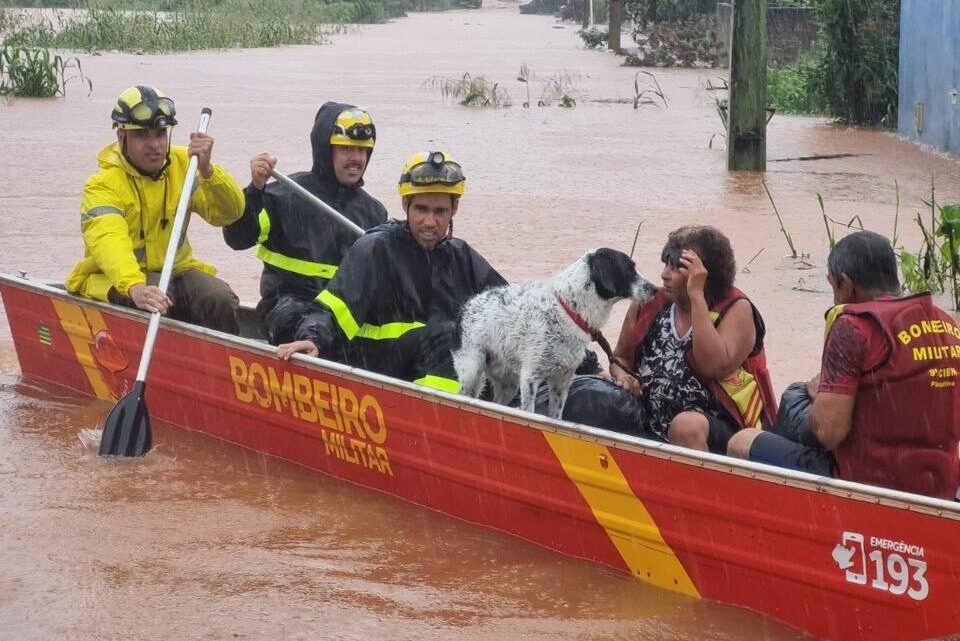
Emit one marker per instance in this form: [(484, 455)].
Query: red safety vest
[(906, 421), (747, 394)]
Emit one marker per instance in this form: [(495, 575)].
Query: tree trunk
[(747, 105), (613, 31)]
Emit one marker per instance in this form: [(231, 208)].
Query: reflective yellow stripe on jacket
[(280, 261), (352, 330), (264, 219), (296, 265)]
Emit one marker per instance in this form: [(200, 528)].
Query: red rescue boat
[(839, 560)]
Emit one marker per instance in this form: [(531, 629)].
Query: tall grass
[(470, 91), (233, 23), (38, 73), (159, 26), (476, 91)]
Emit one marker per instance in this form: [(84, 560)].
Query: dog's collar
[(577, 318)]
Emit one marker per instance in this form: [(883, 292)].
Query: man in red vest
[(885, 408)]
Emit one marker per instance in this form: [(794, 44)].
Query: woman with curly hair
[(697, 347)]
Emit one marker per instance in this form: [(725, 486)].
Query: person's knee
[(740, 443), (222, 307), (689, 429)]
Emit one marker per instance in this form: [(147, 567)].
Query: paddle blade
[(126, 432)]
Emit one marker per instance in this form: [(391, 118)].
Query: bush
[(673, 33), (594, 38), (797, 89), (690, 43), (859, 55)]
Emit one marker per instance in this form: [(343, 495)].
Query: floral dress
[(669, 385)]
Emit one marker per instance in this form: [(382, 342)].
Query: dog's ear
[(607, 271)]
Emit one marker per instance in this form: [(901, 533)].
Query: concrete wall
[(930, 71), (790, 32)]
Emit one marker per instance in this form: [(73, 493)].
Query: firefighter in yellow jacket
[(128, 211)]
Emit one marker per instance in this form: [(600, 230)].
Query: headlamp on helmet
[(431, 172), (354, 128), (143, 107)]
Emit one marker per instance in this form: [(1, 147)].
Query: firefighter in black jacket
[(300, 246), (393, 305)]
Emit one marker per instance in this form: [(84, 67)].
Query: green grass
[(37, 73), (231, 24), (159, 26), (795, 90)]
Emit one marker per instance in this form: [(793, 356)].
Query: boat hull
[(838, 560)]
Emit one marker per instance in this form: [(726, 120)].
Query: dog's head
[(615, 275)]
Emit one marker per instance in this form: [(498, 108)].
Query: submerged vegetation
[(36, 72), (933, 267), (179, 25), (29, 65), (593, 38), (647, 91), (477, 91), (111, 28), (470, 91)]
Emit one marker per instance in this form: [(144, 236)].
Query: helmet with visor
[(431, 172), (354, 128), (143, 107)]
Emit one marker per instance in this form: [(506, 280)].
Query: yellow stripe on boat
[(619, 511), (81, 328)]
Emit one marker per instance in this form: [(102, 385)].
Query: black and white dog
[(527, 334)]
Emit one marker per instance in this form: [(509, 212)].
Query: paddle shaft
[(306, 195), (172, 246)]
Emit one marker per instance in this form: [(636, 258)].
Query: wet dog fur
[(519, 336)]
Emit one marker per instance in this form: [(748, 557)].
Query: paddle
[(310, 198), (126, 432)]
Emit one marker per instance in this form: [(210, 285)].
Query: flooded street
[(204, 540)]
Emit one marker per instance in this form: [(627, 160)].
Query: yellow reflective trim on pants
[(621, 513), (350, 328), (441, 383), (295, 265), (264, 219)]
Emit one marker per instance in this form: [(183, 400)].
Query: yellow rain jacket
[(127, 218)]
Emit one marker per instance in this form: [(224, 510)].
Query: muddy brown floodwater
[(203, 540)]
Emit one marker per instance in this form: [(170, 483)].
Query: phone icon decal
[(851, 556)]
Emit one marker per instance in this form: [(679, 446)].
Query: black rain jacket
[(300, 246), (389, 287)]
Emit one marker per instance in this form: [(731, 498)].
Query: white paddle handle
[(172, 246), (319, 204)]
